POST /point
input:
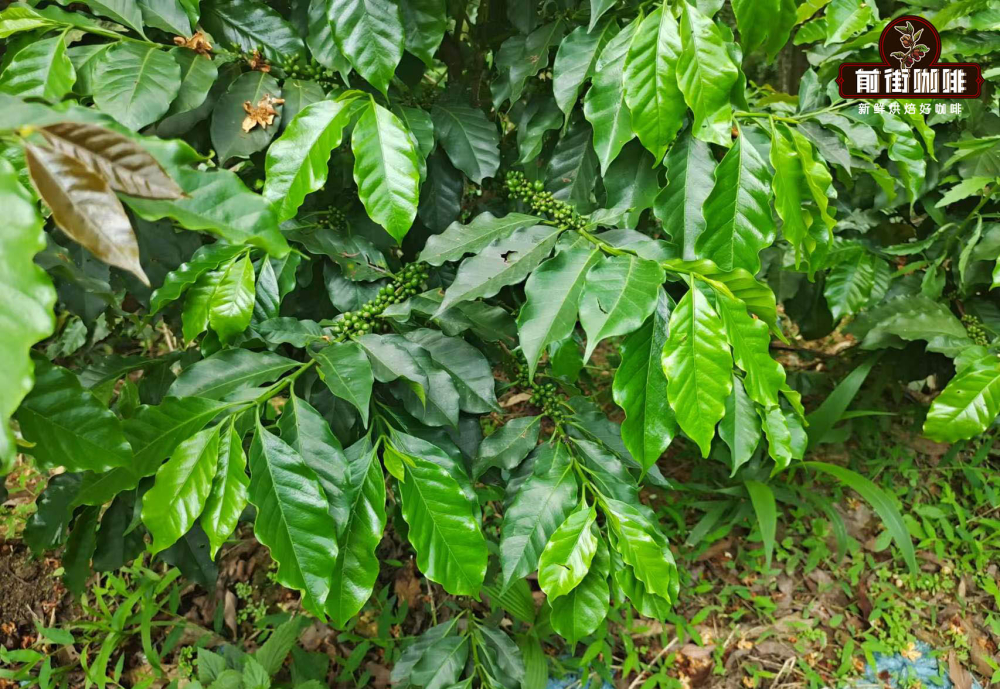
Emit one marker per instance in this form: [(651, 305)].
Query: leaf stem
[(282, 384)]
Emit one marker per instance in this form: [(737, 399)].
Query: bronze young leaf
[(85, 208), (126, 165)]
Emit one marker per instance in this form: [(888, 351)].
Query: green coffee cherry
[(974, 327)]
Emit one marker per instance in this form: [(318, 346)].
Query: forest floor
[(835, 595)]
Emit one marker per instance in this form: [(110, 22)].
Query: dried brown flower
[(197, 43), (261, 114)]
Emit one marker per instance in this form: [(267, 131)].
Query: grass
[(836, 592)]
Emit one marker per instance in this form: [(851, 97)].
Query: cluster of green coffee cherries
[(974, 326), (407, 282), (295, 67), (542, 202), (332, 218), (546, 396)]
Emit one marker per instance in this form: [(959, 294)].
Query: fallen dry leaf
[(515, 399), (261, 114), (407, 585), (229, 612), (959, 676)]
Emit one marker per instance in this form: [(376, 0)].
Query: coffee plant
[(278, 261)]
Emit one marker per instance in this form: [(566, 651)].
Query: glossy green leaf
[(125, 12), (604, 103), (537, 118), (751, 341), (230, 135), (231, 305), (177, 282), (468, 368), (202, 84), (469, 138), (787, 185), (357, 566), (581, 611), (567, 556), (298, 94), (85, 59), (506, 261), (844, 18), (437, 402), (391, 360), (508, 445), (640, 388), (249, 25), (754, 19), (228, 495), (646, 603), (386, 170), (644, 547), (738, 221), (849, 285), (116, 546), (651, 82), (79, 549), (968, 404), (552, 298), (370, 34), (441, 197), (631, 185), (345, 369), (217, 202), (26, 314), (738, 283), (521, 57), (85, 207), (918, 318), (425, 23), (540, 505), (620, 294), (293, 520), (48, 526), (227, 372), (689, 182), (135, 83), (181, 488), (740, 427), (762, 498), (68, 425), (458, 239), (705, 75), (575, 62), (697, 363), (166, 15), (42, 69), (907, 153), (306, 431), (450, 547), (194, 317), (155, 430), (572, 169), (297, 163)]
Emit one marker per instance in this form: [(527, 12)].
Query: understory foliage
[(278, 261)]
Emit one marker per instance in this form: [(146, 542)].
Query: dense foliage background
[(347, 266)]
